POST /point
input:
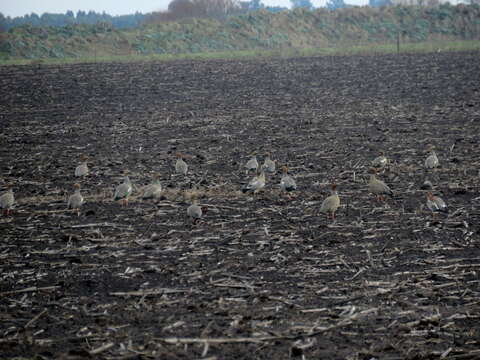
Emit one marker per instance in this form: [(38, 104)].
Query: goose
[(380, 161), (287, 183), (76, 200), (194, 211), (256, 184), (268, 164), (331, 203), (181, 166), (431, 162), (154, 190), (82, 169), (7, 199), (252, 164), (378, 187), (436, 204), (123, 191)]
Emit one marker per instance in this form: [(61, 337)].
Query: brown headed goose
[(378, 187), (256, 184), (436, 204)]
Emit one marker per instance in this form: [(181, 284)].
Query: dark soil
[(264, 278)]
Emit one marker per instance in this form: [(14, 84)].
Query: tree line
[(177, 9), (69, 18)]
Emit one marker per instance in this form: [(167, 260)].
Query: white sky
[(113, 7)]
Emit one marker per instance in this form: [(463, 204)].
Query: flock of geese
[(287, 184)]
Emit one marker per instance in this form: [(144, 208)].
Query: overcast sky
[(113, 7)]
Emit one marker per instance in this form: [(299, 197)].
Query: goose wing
[(330, 204), (436, 204), (7, 199), (152, 191), (181, 167), (81, 170), (123, 191), (75, 201), (378, 187), (252, 164), (194, 211), (288, 183)]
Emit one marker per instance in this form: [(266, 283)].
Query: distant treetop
[(301, 4), (336, 4)]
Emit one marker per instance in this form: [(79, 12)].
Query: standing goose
[(331, 203), (287, 183), (436, 204), (82, 169), (256, 184), (380, 161), (194, 211), (123, 191), (7, 200), (181, 166), (154, 190), (431, 162), (268, 164), (378, 187), (75, 201), (252, 164)]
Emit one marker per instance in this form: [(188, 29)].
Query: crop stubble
[(265, 278)]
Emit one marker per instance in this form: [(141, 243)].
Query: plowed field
[(259, 278)]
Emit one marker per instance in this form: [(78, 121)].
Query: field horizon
[(261, 32)]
